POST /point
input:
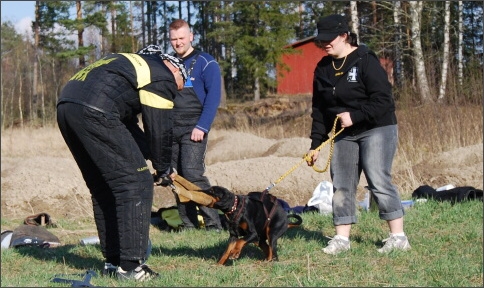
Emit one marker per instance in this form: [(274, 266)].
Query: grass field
[(447, 240), (447, 250)]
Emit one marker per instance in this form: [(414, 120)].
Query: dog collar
[(234, 206)]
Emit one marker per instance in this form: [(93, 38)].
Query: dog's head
[(224, 198)]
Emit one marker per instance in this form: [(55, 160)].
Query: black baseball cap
[(330, 27)]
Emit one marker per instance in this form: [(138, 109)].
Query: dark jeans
[(117, 176), (189, 160)]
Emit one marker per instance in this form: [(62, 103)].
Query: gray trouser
[(371, 152)]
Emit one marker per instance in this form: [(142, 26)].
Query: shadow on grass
[(211, 251), (302, 233), (310, 235), (216, 249), (67, 254), (63, 255)]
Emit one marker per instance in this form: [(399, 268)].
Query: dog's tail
[(294, 223)]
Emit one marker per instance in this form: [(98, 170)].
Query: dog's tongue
[(187, 191)]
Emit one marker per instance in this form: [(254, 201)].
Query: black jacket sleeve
[(138, 135), (157, 110), (319, 127)]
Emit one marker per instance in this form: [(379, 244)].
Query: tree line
[(435, 47)]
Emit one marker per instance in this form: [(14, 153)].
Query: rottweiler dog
[(253, 218)]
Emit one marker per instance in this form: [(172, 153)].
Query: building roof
[(300, 42)]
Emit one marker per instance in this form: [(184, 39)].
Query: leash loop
[(331, 140), (307, 156)]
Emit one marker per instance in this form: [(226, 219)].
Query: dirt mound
[(461, 165), (38, 172), (275, 118)]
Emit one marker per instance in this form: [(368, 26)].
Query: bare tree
[(189, 13), (12, 117), (256, 87), (445, 56), (104, 40), (113, 26), (155, 25), (34, 102), (149, 13), (224, 54), (354, 20), (418, 59), (20, 91), (2, 101), (399, 71), (256, 78), (80, 32), (134, 47), (42, 94), (143, 28), (460, 45)]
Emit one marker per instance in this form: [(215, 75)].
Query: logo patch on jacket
[(352, 74), (188, 83)]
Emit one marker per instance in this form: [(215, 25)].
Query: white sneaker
[(336, 246), (141, 273), (394, 243)]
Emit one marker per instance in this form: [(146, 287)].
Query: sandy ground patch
[(38, 173)]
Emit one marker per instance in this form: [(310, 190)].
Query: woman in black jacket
[(350, 84)]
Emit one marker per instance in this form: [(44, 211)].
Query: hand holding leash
[(164, 181), (312, 155)]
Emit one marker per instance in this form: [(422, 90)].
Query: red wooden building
[(299, 80)]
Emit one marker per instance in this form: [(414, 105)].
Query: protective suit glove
[(162, 181)]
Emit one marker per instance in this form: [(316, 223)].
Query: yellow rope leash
[(306, 157), (331, 139)]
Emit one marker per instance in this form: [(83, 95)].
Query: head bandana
[(177, 62)]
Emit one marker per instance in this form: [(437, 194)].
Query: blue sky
[(20, 13), (16, 10)]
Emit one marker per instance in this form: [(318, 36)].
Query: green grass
[(447, 250)]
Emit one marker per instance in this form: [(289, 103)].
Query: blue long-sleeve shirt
[(206, 79)]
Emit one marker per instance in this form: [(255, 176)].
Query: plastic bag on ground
[(323, 197)]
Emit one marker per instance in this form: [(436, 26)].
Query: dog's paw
[(234, 255)]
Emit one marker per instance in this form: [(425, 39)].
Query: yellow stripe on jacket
[(153, 100), (143, 72)]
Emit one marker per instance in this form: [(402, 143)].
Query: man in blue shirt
[(195, 109)]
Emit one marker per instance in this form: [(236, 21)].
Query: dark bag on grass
[(454, 195), (28, 235)]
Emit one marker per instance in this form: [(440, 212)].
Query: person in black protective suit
[(97, 114), (195, 109)]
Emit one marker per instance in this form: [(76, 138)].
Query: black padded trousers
[(117, 176), (189, 160)]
